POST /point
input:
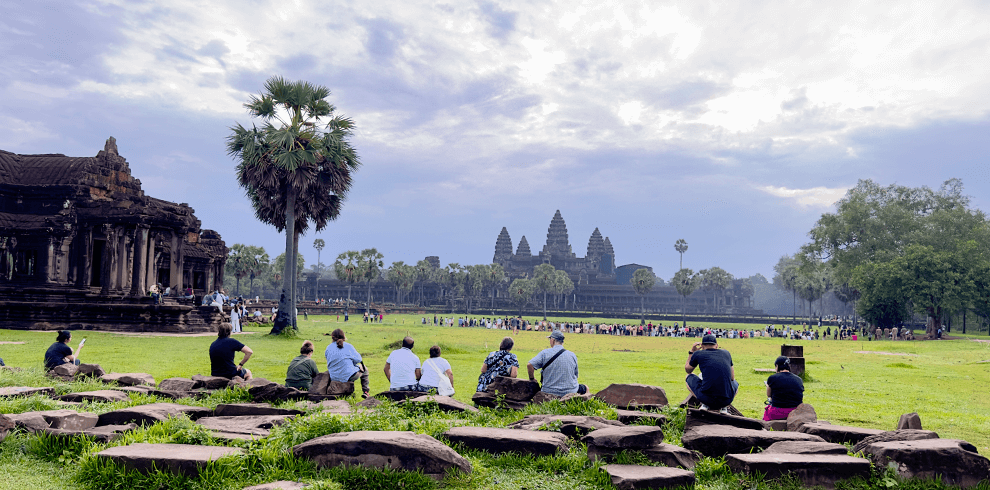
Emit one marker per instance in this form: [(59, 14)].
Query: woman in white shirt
[(431, 379)]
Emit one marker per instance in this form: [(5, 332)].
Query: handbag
[(444, 388)]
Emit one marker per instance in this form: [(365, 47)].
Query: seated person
[(222, 355), (559, 375), (344, 363), (402, 368), (499, 363), (718, 387), (431, 379), (785, 390), (302, 369), (60, 353)]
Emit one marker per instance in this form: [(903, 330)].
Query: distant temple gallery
[(81, 244)]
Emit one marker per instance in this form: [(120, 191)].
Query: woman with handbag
[(437, 374)]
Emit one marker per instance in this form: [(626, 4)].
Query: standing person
[(499, 363), (402, 368), (431, 379), (785, 390), (344, 363), (222, 355), (235, 320), (718, 387), (560, 367), (302, 368), (60, 353)]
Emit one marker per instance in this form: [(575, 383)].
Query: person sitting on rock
[(785, 390), (402, 368), (222, 355), (431, 379), (718, 387), (498, 363), (302, 368), (60, 353), (559, 375), (344, 363)]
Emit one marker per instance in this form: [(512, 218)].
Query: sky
[(731, 125)]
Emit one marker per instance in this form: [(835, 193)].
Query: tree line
[(895, 251)]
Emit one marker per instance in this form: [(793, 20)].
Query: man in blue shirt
[(718, 387), (560, 367)]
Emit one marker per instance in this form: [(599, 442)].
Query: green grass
[(942, 380)]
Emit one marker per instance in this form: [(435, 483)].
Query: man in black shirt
[(718, 387), (60, 353), (785, 390), (222, 355)]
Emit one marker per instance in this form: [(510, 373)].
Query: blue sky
[(732, 126)]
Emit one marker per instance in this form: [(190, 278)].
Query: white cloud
[(815, 197)]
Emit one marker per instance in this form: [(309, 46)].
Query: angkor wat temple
[(81, 244)]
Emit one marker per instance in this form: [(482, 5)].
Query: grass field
[(868, 384)]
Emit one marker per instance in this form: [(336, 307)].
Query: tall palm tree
[(346, 269), (295, 167), (643, 281), (318, 244)]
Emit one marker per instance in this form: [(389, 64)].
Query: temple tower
[(557, 245), (523, 250), (503, 248), (596, 247)]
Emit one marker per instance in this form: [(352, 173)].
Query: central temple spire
[(557, 244)]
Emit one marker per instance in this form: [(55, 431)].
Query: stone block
[(953, 461), (895, 435), (340, 389), (632, 477), (184, 459), (543, 397), (811, 469), (576, 396), (625, 437), (498, 441), (152, 413), (279, 485), (792, 350), (541, 421), (69, 419), (696, 418), (273, 392), (64, 371), (178, 384), (633, 396), (806, 447), (30, 422), (380, 449), (630, 417), (252, 425), (719, 440), (244, 409), (909, 421), (665, 454), (103, 434), (839, 433), (797, 366), (129, 379), (446, 403), (90, 371), (211, 382), (6, 425), (320, 383), (398, 396), (803, 414), (368, 404), (339, 407), (777, 424), (485, 399), (517, 389), (96, 396)]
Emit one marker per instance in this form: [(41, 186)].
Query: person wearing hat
[(560, 367), (717, 388), (785, 390)]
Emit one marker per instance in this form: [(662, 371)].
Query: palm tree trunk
[(642, 310), (544, 306), (285, 302), (295, 271)]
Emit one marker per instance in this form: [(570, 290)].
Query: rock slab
[(151, 413), (719, 440), (498, 441), (522, 390), (839, 433), (895, 435), (954, 461), (129, 379), (104, 434), (96, 396), (812, 470), (211, 382), (909, 421), (633, 395), (18, 391), (803, 414), (380, 449), (178, 384), (626, 437), (185, 459), (631, 477), (665, 454), (446, 403), (806, 447), (632, 416), (242, 409), (696, 418)]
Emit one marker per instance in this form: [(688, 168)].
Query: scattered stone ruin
[(81, 244)]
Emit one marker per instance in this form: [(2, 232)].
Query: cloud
[(816, 197)]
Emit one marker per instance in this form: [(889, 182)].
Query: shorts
[(776, 413), (714, 403)]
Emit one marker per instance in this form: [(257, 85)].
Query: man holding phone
[(60, 353)]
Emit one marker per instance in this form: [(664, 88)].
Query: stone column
[(151, 274), (109, 255), (175, 263), (140, 247), (121, 273), (85, 263)]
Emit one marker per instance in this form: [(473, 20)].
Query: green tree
[(346, 269), (881, 302), (786, 278), (237, 265), (562, 286), (521, 290), (301, 153), (681, 246), (494, 276), (370, 269), (318, 244), (685, 282), (544, 276), (643, 281), (424, 273), (401, 276), (715, 280)]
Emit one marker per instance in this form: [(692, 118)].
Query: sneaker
[(703, 407), (364, 395), (724, 411)]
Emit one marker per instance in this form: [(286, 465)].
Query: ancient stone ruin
[(81, 245)]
